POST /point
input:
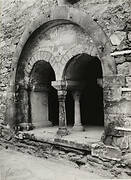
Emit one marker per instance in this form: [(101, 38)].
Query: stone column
[(23, 115), (77, 116), (62, 91)]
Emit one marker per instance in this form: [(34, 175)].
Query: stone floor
[(80, 140), (18, 166)]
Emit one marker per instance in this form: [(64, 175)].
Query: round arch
[(78, 17), (39, 56), (59, 15)]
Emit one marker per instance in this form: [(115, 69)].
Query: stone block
[(126, 95), (127, 159), (121, 142), (129, 36), (121, 107), (127, 122), (128, 58), (124, 69), (117, 37), (61, 12), (112, 121), (120, 59), (109, 81), (112, 93), (128, 81), (106, 152)]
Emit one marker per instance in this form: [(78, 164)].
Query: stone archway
[(32, 89), (56, 16), (40, 79), (82, 71)]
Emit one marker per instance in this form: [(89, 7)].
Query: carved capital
[(76, 95), (60, 85)]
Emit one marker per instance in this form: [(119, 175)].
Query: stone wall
[(113, 17)]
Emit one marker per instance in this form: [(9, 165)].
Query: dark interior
[(87, 69), (41, 76)]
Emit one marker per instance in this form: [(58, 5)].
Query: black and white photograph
[(65, 89)]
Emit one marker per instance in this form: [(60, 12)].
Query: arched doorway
[(42, 95), (85, 70)]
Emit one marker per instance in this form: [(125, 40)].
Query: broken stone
[(116, 171), (107, 164), (83, 160), (128, 172), (106, 152), (75, 158), (117, 37), (94, 159), (70, 154), (61, 152)]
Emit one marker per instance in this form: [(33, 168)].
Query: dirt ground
[(18, 166)]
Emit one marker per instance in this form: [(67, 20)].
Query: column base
[(25, 126), (62, 131), (78, 128), (42, 124)]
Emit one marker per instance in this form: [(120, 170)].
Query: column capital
[(76, 94), (60, 85)]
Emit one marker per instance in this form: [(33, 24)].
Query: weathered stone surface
[(124, 69), (106, 152), (128, 58), (116, 80), (112, 93), (94, 159), (110, 124), (120, 59), (121, 107), (117, 37), (128, 81), (75, 158), (110, 16), (121, 142), (129, 36), (127, 159)]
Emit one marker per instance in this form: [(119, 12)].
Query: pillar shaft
[(62, 111), (62, 91), (77, 117)]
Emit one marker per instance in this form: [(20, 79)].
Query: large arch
[(84, 70), (78, 17), (62, 15)]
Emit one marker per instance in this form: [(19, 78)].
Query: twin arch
[(57, 16), (64, 14)]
